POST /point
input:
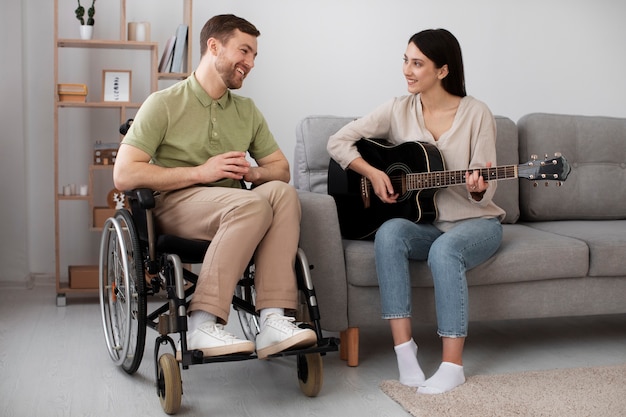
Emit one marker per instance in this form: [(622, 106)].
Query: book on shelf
[(166, 59), (72, 92), (180, 49)]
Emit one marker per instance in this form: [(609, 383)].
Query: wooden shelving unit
[(124, 109)]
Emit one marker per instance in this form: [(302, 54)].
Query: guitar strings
[(437, 179)]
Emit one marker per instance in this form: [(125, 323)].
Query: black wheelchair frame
[(130, 250)]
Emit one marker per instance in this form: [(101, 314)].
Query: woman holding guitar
[(466, 231)]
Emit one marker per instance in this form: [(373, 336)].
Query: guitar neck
[(441, 179)]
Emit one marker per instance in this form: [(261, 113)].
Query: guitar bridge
[(365, 192)]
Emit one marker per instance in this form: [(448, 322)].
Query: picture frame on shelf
[(116, 85)]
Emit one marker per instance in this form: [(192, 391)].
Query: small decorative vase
[(86, 32)]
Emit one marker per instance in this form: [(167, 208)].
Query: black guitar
[(417, 172)]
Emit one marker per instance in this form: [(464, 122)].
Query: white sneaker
[(280, 333), (213, 340)]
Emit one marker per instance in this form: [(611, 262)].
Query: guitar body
[(360, 222)]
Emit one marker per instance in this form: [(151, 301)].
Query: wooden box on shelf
[(72, 93), (83, 276)]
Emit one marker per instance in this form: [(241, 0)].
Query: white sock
[(198, 317), (266, 312), (448, 376), (410, 372)]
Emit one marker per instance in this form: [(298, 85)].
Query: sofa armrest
[(320, 239)]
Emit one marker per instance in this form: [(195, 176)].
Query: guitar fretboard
[(438, 179)]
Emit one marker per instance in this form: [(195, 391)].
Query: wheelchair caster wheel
[(310, 373), (169, 383)]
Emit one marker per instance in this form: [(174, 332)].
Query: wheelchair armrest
[(144, 196)]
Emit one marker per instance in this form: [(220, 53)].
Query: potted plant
[(86, 30)]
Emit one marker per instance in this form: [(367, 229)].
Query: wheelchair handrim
[(105, 302)]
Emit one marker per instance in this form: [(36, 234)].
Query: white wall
[(13, 201), (343, 57)]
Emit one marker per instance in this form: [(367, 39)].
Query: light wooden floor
[(53, 362)]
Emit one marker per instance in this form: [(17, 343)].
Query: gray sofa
[(563, 251)]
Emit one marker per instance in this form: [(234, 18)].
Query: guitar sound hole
[(397, 174)]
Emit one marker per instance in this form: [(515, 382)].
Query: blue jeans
[(449, 256)]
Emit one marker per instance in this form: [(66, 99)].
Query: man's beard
[(230, 76)]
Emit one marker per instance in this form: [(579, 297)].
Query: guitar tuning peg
[(546, 184), (533, 157), (545, 156), (558, 154), (559, 183), (534, 184)]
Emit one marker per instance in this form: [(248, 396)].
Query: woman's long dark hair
[(441, 47)]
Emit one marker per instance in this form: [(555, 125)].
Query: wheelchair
[(135, 263)]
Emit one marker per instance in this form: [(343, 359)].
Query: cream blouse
[(469, 144)]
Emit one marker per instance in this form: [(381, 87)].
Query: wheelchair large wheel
[(249, 320), (245, 291), (310, 365), (122, 291), (303, 274)]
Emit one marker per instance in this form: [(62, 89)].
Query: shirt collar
[(202, 95)]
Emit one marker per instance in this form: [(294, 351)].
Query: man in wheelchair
[(189, 142)]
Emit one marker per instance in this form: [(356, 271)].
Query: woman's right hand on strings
[(381, 183)]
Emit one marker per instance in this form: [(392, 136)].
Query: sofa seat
[(606, 240)]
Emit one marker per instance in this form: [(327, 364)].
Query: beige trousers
[(263, 223)]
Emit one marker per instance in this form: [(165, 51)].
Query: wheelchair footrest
[(195, 357), (326, 344)]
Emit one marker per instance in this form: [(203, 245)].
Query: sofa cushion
[(310, 171), (507, 194), (596, 150), (526, 254), (606, 241)]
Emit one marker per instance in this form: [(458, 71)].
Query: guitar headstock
[(549, 169)]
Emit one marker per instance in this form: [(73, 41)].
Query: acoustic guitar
[(417, 172)]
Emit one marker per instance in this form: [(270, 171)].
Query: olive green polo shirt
[(182, 126)]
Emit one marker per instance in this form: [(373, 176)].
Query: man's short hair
[(222, 28)]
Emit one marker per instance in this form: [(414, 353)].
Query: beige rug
[(587, 392)]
